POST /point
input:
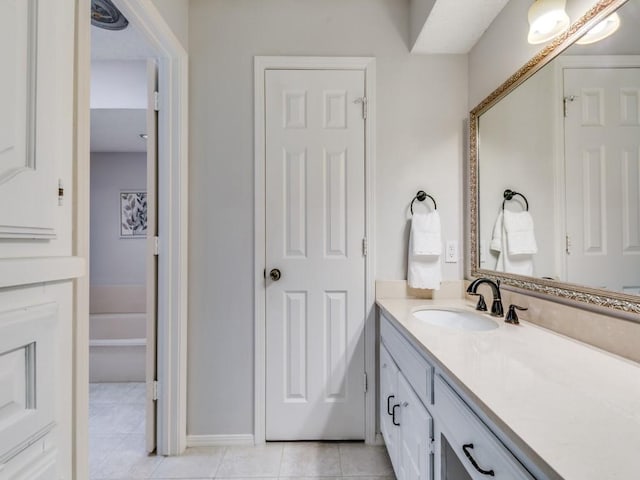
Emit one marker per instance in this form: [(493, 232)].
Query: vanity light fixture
[(602, 30), (547, 19)]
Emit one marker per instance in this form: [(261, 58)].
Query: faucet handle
[(512, 316), (482, 305)]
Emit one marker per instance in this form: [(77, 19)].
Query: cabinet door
[(388, 398), (477, 448), (415, 457)]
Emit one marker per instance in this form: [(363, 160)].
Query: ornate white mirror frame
[(561, 290)]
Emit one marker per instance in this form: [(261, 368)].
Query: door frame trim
[(172, 217), (261, 64)]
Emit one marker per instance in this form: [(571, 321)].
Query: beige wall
[(176, 14), (421, 105)]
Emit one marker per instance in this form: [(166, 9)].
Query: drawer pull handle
[(388, 405), (465, 449), (393, 415)]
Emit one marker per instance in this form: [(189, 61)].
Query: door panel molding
[(261, 64)]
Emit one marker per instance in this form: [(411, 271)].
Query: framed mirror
[(555, 168)]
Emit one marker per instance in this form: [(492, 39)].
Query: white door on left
[(28, 186)]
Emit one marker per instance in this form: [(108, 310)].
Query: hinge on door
[(156, 246), (156, 101), (363, 101), (366, 383), (364, 247), (567, 244), (565, 100), (60, 192), (155, 391), (431, 446)]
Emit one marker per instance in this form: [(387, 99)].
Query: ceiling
[(454, 26), (127, 44), (118, 129)]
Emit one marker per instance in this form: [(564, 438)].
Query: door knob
[(275, 274)]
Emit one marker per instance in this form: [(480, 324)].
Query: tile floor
[(117, 450)]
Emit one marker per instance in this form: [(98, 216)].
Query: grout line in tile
[(222, 457), (281, 459)]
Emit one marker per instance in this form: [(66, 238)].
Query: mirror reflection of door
[(602, 172)]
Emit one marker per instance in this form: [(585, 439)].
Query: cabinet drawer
[(463, 427), (413, 366)]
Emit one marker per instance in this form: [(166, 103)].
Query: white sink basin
[(455, 319)]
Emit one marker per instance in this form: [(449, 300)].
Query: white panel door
[(314, 232), (602, 155), (28, 187), (152, 259)]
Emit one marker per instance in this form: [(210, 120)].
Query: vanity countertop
[(574, 406)]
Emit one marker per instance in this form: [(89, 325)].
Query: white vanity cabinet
[(429, 430), (403, 423)]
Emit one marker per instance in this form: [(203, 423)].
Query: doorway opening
[(171, 244), (123, 230)]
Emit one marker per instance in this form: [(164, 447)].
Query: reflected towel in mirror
[(523, 240), (519, 229)]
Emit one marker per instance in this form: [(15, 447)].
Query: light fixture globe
[(547, 19), (602, 30)]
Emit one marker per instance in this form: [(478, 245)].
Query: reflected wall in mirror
[(17, 86), (564, 132)]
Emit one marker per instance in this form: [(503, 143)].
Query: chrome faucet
[(496, 307)]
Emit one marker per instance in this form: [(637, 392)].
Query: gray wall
[(503, 47), (115, 260), (422, 103)]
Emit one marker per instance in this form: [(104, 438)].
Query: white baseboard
[(219, 440)]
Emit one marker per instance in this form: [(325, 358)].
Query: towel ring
[(509, 194), (421, 196)]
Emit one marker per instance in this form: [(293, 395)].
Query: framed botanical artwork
[(133, 214)]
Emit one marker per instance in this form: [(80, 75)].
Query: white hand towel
[(519, 232), (425, 230), (423, 271), (517, 264), (496, 237)]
